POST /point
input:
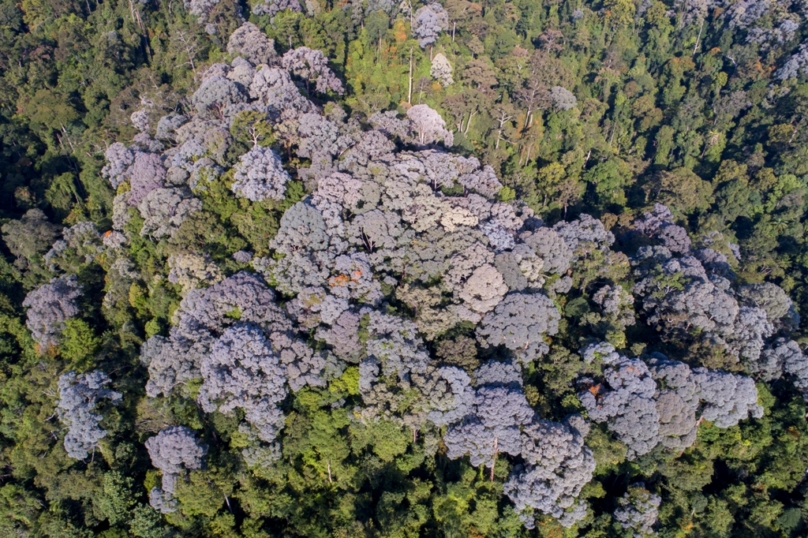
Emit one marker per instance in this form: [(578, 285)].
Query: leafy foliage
[(403, 269)]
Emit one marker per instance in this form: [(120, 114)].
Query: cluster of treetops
[(378, 269)]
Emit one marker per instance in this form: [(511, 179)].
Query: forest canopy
[(527, 268)]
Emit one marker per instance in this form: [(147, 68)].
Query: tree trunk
[(794, 134), (494, 463), (409, 90), (468, 124), (698, 39)]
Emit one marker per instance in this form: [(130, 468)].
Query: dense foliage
[(529, 268)]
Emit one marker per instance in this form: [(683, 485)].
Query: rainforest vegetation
[(369, 269)]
